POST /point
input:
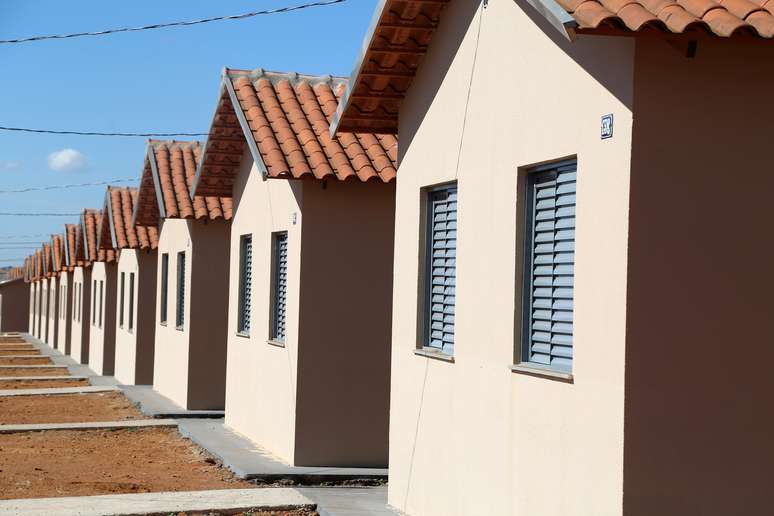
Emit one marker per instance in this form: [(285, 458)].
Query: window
[(131, 301), (180, 311), (245, 283), (80, 301), (441, 268), (94, 302), (164, 283), (279, 285), (121, 303), (101, 300), (549, 266)]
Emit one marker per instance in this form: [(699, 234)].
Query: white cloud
[(66, 160)]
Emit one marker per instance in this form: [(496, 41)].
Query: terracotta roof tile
[(90, 222), (38, 266), (57, 248), (48, 264), (175, 164), (119, 207), (288, 117)]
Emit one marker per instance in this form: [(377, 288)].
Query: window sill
[(179, 328), (433, 353), (277, 343), (242, 334), (539, 372), (163, 323)]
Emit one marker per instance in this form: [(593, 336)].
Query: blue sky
[(153, 81)]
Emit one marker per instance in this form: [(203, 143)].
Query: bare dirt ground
[(253, 513), (17, 351), (41, 384), (31, 371), (12, 340), (67, 408), (95, 462), (25, 361)]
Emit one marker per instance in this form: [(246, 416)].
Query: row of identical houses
[(535, 305)]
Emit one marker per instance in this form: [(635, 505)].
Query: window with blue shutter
[(245, 283), (131, 301), (550, 266), (164, 287), (180, 311), (121, 303), (279, 285), (441, 268)]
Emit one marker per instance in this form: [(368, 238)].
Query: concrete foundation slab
[(40, 378), (156, 405), (41, 366), (161, 503), (100, 425), (60, 390), (249, 461), (350, 501)]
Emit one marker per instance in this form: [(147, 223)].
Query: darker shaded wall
[(345, 324), (15, 306), (700, 333), (145, 320)]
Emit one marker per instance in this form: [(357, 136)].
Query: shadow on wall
[(698, 418)]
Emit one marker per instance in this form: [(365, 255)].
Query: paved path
[(6, 393), (160, 503), (39, 378), (350, 501), (154, 404), (97, 425)]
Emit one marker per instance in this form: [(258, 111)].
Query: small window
[(131, 301), (549, 267), (121, 303), (164, 287), (441, 268), (279, 285), (94, 302), (180, 311), (245, 283), (101, 300), (80, 301)]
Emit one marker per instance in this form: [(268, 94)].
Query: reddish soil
[(41, 384), (95, 462), (31, 371), (17, 351), (12, 340), (67, 408), (25, 361), (253, 513)]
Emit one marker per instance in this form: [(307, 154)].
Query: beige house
[(38, 280), (582, 192), (102, 325), (14, 301), (136, 287), (50, 327), (189, 365), (311, 266), (29, 278), (63, 294), (75, 252)]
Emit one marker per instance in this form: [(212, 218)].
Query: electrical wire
[(11, 214), (96, 133), (154, 26), (64, 187)]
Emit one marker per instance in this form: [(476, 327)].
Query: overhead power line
[(96, 133), (243, 16), (10, 214), (64, 187), (37, 235)]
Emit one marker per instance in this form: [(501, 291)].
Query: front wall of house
[(33, 306), (261, 378), (102, 333), (14, 303), (65, 312), (53, 312), (81, 323), (699, 341), (170, 368), (472, 437), (126, 339), (43, 316)]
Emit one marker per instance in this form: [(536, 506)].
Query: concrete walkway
[(154, 404), (350, 501), (97, 425), (161, 503), (58, 390), (40, 378)]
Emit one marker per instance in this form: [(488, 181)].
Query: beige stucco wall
[(102, 334), (65, 312), (32, 307), (79, 329), (14, 306), (472, 437), (190, 363), (43, 314), (135, 347), (52, 325), (699, 341)]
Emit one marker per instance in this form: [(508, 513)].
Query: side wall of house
[(32, 307), (699, 342), (261, 377), (81, 324), (343, 399), (65, 311), (208, 314), (15, 306), (102, 334), (43, 322), (53, 313), (473, 437)]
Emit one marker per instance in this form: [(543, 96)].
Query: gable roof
[(90, 224), (283, 119), (58, 252), (75, 249), (48, 264), (37, 268), (117, 230), (28, 269), (165, 185), (401, 32)]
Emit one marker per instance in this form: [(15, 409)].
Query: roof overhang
[(150, 216)]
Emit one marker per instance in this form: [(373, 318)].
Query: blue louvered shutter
[(245, 283), (280, 286), (550, 266), (442, 268), (164, 287), (180, 312)]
